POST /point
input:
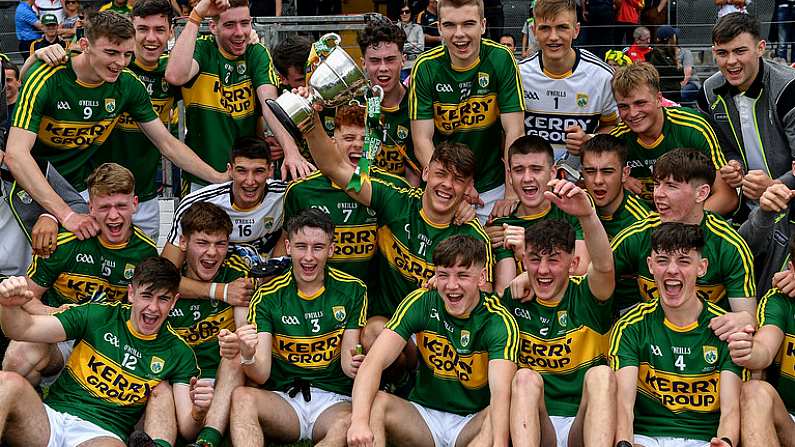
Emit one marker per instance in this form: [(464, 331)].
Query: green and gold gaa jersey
[(307, 330), (80, 270), (552, 212), (678, 370), (221, 101), (128, 145), (682, 127), (354, 224), (406, 240), (455, 352), (562, 340), (73, 119), (779, 310), (124, 10), (465, 105), (631, 210), (730, 272), (198, 321), (112, 370), (397, 149)]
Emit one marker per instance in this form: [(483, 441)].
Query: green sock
[(210, 436), (161, 443)]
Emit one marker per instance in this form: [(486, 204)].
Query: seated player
[(300, 343), (563, 333), (768, 409), (79, 271), (124, 355), (677, 385), (604, 172), (467, 342), (531, 167)]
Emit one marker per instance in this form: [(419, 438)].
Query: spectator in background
[(118, 6), (49, 7), (616, 59), (691, 83), (641, 44), (73, 19), (627, 18), (654, 14), (730, 6), (11, 71), (415, 39), (27, 25), (509, 41), (529, 42), (784, 22), (289, 59), (428, 19), (665, 56), (495, 19), (50, 36), (600, 17)]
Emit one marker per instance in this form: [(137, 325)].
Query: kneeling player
[(564, 333), (670, 367), (300, 343), (467, 342)]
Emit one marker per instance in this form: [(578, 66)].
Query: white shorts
[(68, 431), (445, 427), (308, 412), (665, 441), (562, 426), (66, 348), (147, 217), (489, 198)]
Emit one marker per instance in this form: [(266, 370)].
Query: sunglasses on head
[(405, 11)]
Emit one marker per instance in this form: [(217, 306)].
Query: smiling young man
[(677, 384), (467, 344), (749, 103), (79, 271), (651, 130), (123, 353), (225, 82), (467, 91), (66, 111)]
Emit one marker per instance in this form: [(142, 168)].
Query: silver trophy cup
[(335, 81)]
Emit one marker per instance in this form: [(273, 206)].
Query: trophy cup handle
[(325, 38)]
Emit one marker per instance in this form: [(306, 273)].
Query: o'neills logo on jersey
[(106, 379), (477, 112), (354, 243), (579, 348), (442, 358), (309, 352), (207, 92), (399, 257), (77, 288), (390, 159), (698, 392), (708, 292), (208, 328), (74, 135)]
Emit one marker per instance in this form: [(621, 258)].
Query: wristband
[(727, 441), (213, 286), (245, 361), (226, 289), (68, 216), (623, 443), (195, 18), (50, 216)]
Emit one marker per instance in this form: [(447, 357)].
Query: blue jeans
[(689, 92), (784, 16)]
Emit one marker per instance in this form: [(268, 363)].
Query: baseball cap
[(49, 19), (666, 32)]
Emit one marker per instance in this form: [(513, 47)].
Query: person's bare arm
[(350, 361), (756, 351), (181, 65), (260, 370), (723, 200), (513, 126), (729, 426), (18, 324), (500, 377), (627, 382), (504, 273), (422, 137), (173, 253), (35, 306), (294, 163)]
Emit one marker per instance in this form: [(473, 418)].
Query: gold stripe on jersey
[(696, 122), (473, 113), (106, 379), (239, 100), (30, 92), (354, 242), (76, 288), (652, 221), (161, 106), (427, 56), (273, 285), (493, 305), (517, 78), (235, 262), (761, 308), (74, 134), (339, 275), (680, 392), (404, 306), (579, 348), (401, 259), (635, 208), (207, 329), (726, 232), (634, 315), (137, 231), (315, 352), (441, 358)]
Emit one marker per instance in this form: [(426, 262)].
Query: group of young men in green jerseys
[(577, 316)]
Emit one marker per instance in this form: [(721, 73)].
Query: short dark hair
[(549, 235), (207, 218), (292, 51), (531, 144), (732, 25), (252, 148), (146, 8), (507, 35), (232, 4), (156, 273), (8, 65), (459, 250), (457, 157), (673, 237), (606, 143), (110, 25), (684, 165), (311, 218), (381, 31)]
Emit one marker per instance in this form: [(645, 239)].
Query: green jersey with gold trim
[(465, 105), (562, 340), (198, 321), (221, 102), (730, 272), (551, 213), (397, 149), (631, 210), (678, 370), (682, 127), (112, 370), (78, 271), (128, 145), (455, 352), (307, 330), (73, 119), (354, 224), (406, 239), (778, 310)]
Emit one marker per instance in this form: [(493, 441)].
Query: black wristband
[(727, 441), (626, 444)]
